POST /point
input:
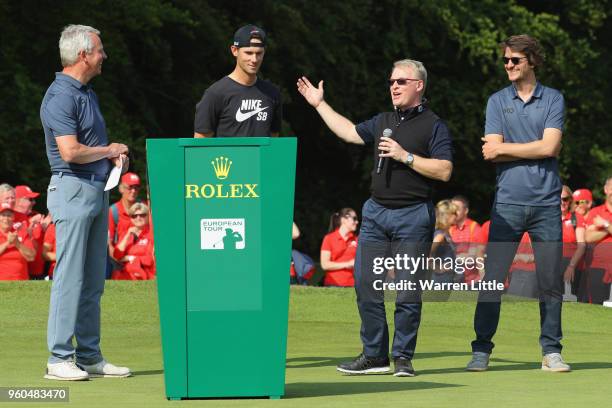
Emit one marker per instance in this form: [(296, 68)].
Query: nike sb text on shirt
[(230, 109), (249, 108)]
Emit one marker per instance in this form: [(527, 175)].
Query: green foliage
[(163, 55)]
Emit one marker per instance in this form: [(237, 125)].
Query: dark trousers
[(386, 232), (508, 223)]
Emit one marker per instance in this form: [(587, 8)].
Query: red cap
[(5, 207), (582, 194), (25, 191), (130, 179)]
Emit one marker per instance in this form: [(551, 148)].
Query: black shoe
[(365, 365), (403, 367)]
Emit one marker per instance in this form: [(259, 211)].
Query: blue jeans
[(508, 223), (383, 232), (80, 212)]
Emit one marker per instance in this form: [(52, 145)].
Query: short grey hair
[(417, 67), (74, 39), (5, 188)]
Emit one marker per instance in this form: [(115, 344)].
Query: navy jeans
[(508, 223), (386, 232)]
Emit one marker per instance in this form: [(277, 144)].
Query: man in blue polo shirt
[(523, 128), (80, 158)]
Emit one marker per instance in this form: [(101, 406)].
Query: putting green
[(324, 330)]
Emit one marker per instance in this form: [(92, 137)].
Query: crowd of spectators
[(27, 243), (587, 247), (27, 238)]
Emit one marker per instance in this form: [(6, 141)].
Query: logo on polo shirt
[(251, 107), (508, 110)]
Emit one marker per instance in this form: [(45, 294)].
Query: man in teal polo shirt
[(523, 128), (80, 158)]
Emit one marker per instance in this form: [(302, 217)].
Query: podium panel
[(222, 212)]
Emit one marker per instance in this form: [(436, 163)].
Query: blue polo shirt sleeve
[(556, 116), (366, 130), (61, 115), (441, 142), (493, 118)]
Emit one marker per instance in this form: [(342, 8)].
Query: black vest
[(398, 185)]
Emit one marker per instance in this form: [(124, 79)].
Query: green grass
[(323, 330)]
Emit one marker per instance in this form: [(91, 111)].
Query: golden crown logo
[(221, 165)]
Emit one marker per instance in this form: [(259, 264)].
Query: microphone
[(381, 160)]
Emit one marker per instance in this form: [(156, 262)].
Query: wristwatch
[(606, 225), (409, 160)]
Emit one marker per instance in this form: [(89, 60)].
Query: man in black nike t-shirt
[(241, 104)]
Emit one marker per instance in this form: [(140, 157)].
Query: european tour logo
[(221, 167)]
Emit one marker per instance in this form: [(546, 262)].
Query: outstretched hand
[(312, 94)]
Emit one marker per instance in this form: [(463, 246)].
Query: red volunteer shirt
[(468, 233), (524, 248), (602, 250), (465, 238), (142, 266), (341, 250), (123, 224), (13, 265), (50, 239), (484, 232)]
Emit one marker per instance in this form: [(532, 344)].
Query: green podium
[(222, 212)]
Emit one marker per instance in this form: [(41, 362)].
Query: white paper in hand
[(114, 176)]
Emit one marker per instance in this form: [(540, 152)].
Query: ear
[(234, 50), (82, 55)]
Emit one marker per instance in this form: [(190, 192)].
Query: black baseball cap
[(244, 35)]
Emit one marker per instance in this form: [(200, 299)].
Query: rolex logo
[(221, 165)]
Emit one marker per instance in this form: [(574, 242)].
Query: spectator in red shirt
[(523, 280), (466, 235), (443, 247), (48, 251), (599, 233), (118, 217), (35, 223), (135, 248), (573, 240), (583, 201), (339, 248), (16, 248)]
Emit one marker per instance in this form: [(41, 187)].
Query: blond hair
[(138, 206), (444, 209)]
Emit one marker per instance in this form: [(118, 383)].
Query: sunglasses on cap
[(138, 215), (400, 81), (515, 60)]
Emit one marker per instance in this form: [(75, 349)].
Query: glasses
[(566, 199), (354, 218), (139, 215), (515, 60), (582, 201), (400, 81)]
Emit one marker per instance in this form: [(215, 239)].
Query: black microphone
[(381, 160)]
